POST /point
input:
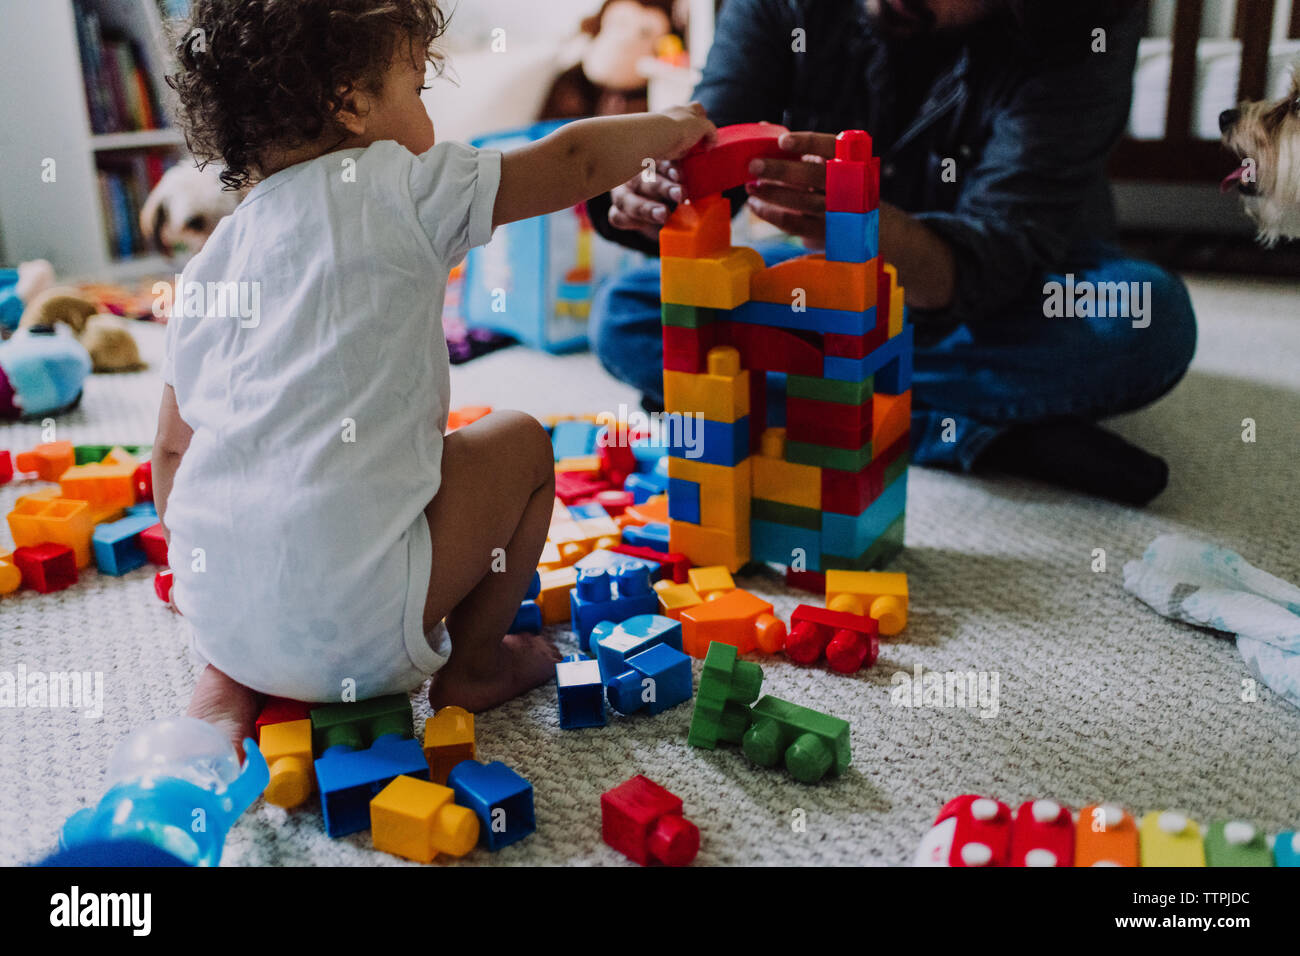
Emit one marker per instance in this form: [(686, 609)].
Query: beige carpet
[(1098, 696)]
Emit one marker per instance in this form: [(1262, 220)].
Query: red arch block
[(725, 164), (768, 349)]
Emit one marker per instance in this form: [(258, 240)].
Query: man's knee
[(1166, 331)]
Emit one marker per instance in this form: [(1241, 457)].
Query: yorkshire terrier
[(1266, 135)]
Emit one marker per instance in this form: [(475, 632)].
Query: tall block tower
[(801, 373)]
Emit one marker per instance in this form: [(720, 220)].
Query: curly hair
[(259, 74)]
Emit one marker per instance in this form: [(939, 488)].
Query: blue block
[(647, 454), (534, 586), (348, 779), (644, 487), (573, 439), (527, 619), (615, 642), (500, 798), (810, 320), (717, 443), (777, 543), (581, 692), (851, 535), (653, 535), (891, 364), (613, 595), (144, 508), (117, 544), (602, 560), (684, 500), (1286, 849), (655, 680), (591, 509), (852, 236)]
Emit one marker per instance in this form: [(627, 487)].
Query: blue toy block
[(853, 534), (117, 544), (500, 798), (609, 596), (656, 680), (782, 316), (580, 691), (653, 535), (573, 439), (647, 454), (527, 619), (615, 642), (780, 543), (644, 487), (719, 443), (348, 779), (684, 500), (534, 587), (852, 236), (144, 508), (588, 511), (891, 364), (1286, 849), (602, 560)]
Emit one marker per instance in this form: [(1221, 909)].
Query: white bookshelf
[(44, 116)]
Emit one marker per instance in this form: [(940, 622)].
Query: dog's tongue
[(1231, 178)]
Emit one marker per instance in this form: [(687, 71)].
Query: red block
[(687, 350), (616, 458), (674, 565), (725, 164), (280, 710), (6, 467), (1042, 835), (849, 492), (853, 176), (573, 486), (829, 435), (644, 822), (768, 349), (817, 412), (838, 345), (154, 544), (813, 581), (614, 501), (47, 567), (143, 481), (849, 641), (162, 586), (969, 831)]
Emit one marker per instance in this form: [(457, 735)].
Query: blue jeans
[(979, 379)]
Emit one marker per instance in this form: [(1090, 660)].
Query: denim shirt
[(1028, 130)]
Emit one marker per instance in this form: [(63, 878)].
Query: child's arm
[(590, 157), (169, 446)]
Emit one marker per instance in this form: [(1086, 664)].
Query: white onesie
[(317, 388)]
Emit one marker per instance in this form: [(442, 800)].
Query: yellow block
[(878, 594), (675, 598), (448, 739), (721, 394), (720, 282), (787, 482), (287, 749), (896, 298), (1170, 839), (417, 820), (108, 485), (587, 464), (55, 520), (705, 545), (10, 577), (724, 494), (710, 580), (550, 558), (553, 599)]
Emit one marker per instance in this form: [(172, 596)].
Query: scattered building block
[(162, 585), (553, 596), (348, 779), (286, 745), (580, 693), (49, 460), (878, 594), (654, 680), (1168, 838), (736, 617), (11, 578), (500, 798), (674, 598), (672, 566), (46, 567), (358, 725), (849, 641), (55, 521), (1042, 835), (644, 822), (6, 467), (154, 544), (609, 596), (142, 479), (654, 535), (711, 580), (528, 619), (417, 819), (810, 744), (727, 687), (448, 739), (1105, 835), (613, 643), (575, 439), (117, 544)]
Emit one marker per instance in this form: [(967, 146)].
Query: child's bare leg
[(488, 523), (227, 705)]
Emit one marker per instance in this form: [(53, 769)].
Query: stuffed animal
[(106, 338), (606, 80), (18, 287), (41, 374)]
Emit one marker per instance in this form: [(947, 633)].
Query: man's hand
[(791, 193), (643, 203)]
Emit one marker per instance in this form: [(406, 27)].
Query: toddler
[(321, 526)]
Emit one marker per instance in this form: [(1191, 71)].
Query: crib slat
[(1255, 28), (1182, 72)]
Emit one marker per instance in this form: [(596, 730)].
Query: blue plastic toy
[(655, 680), (653, 535), (500, 798), (615, 642), (348, 779), (1286, 849), (609, 596), (580, 692), (177, 785), (117, 544)]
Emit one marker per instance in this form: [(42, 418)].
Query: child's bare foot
[(522, 662), (227, 705)]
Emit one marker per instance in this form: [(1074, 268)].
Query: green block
[(897, 468), (781, 513), (841, 459), (1236, 844), (727, 687), (810, 743), (93, 454), (361, 724), (830, 389), (883, 550), (688, 316)]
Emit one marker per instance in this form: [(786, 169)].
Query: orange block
[(553, 599), (460, 417), (652, 510), (848, 286), (56, 521), (743, 620), (108, 485), (1106, 835), (705, 545), (716, 282), (49, 460), (697, 229), (891, 417)]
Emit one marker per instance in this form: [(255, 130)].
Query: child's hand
[(693, 128)]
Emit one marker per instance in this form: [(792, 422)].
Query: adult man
[(993, 120)]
